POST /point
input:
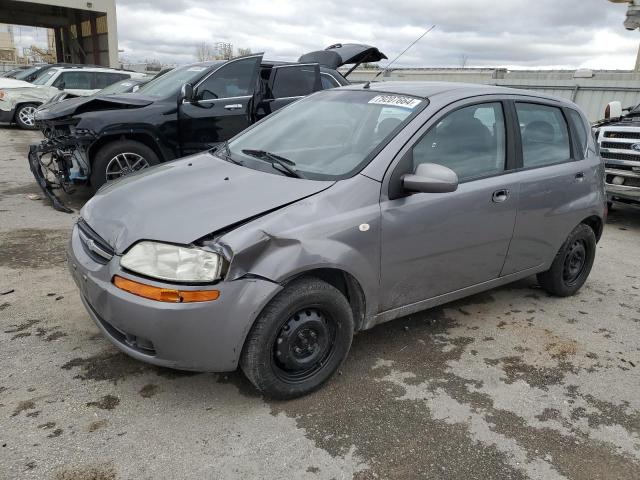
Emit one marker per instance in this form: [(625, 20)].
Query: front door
[(222, 105), (433, 244)]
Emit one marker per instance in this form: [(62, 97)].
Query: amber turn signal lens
[(164, 294)]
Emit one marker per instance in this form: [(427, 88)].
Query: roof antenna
[(402, 53)]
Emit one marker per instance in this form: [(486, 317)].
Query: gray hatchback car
[(344, 210)]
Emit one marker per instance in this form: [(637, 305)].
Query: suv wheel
[(120, 158), (24, 116), (299, 340), (572, 264)]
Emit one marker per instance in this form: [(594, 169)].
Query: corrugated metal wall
[(591, 89)]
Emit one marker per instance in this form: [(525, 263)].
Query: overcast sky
[(507, 33)]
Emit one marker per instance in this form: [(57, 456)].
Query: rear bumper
[(206, 336)]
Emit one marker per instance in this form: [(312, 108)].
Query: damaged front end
[(60, 161)]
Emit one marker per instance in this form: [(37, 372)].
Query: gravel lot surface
[(507, 384)]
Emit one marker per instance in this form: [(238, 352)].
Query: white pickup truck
[(618, 137)]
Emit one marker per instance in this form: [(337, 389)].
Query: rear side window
[(104, 79), (545, 137), (470, 141), (295, 81), (581, 129)]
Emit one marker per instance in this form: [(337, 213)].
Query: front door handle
[(500, 196), (579, 176), (233, 106)]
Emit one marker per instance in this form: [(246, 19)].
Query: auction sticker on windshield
[(396, 100)]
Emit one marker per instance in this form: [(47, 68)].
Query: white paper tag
[(196, 69), (396, 101)]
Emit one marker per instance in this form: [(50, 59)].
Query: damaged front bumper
[(59, 163)]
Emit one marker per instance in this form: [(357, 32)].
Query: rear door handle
[(500, 196), (233, 106), (579, 176)]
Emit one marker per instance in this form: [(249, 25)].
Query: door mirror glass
[(187, 92), (431, 178)]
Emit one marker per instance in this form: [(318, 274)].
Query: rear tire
[(299, 340), (24, 116), (572, 264), (118, 159)]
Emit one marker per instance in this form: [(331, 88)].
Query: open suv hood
[(218, 194), (341, 54), (74, 106)]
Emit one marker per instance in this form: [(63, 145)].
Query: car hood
[(13, 83), (343, 54), (74, 106), (185, 200)]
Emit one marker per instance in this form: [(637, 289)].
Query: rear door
[(437, 243), (286, 84), (556, 176), (223, 105)]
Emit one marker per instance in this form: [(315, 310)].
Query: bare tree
[(464, 59), (204, 52), (244, 51)]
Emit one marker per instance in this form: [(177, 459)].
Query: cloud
[(488, 33)]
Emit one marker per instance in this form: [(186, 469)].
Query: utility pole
[(632, 22)]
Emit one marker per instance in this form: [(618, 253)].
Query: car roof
[(425, 89)]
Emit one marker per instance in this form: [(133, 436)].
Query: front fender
[(338, 228)]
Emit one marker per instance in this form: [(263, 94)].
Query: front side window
[(545, 137), (75, 80), (329, 135), (293, 81), (236, 79), (469, 141)]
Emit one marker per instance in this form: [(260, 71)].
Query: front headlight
[(173, 263)]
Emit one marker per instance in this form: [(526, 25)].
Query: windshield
[(171, 82), (25, 73), (45, 77), (330, 135)]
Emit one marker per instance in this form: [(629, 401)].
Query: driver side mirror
[(186, 93), (61, 86), (431, 178)]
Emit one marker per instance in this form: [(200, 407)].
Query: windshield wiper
[(279, 163), (225, 151)]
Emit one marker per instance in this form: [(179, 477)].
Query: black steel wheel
[(572, 264), (299, 340)]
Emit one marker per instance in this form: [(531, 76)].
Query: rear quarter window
[(580, 128)]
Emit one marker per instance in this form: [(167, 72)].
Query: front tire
[(572, 264), (299, 340), (25, 116), (118, 159)]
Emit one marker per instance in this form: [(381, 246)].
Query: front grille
[(95, 246), (618, 145), (634, 135), (620, 156)]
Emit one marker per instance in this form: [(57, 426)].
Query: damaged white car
[(19, 99)]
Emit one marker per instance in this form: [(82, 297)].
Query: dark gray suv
[(346, 209)]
